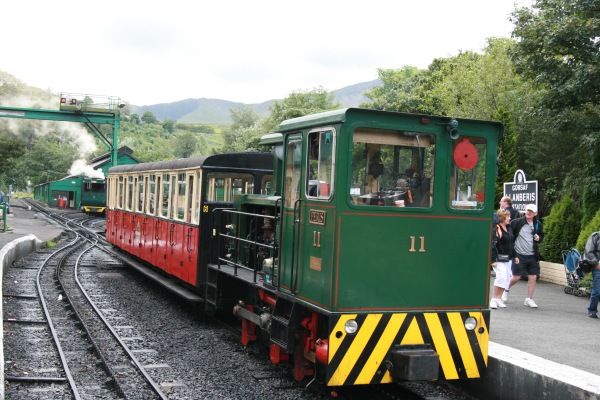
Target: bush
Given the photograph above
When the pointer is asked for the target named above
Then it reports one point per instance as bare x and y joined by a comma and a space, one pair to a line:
586, 232
561, 229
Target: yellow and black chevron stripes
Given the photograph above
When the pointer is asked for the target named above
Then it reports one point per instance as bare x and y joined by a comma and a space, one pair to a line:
356, 359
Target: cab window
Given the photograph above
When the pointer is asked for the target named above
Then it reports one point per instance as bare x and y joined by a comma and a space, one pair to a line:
319, 177
392, 168
467, 173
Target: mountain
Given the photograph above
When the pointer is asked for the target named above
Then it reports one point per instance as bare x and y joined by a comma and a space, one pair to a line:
216, 111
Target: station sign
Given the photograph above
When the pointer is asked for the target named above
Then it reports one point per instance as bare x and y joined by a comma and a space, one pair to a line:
521, 191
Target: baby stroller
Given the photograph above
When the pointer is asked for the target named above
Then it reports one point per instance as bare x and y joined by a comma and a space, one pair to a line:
571, 260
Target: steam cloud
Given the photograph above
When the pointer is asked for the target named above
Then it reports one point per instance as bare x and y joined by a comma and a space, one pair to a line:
80, 167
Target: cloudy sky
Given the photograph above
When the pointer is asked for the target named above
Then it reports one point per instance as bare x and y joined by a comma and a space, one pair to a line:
149, 52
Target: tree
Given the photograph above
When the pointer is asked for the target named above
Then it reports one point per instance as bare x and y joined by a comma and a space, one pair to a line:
243, 118
558, 48
561, 229
298, 104
169, 125
245, 126
185, 145
149, 118
397, 92
48, 160
11, 150
10, 86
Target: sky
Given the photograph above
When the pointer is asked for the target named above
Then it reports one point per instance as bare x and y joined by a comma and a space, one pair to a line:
152, 52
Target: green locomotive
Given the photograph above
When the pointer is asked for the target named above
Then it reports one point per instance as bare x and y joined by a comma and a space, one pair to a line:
367, 260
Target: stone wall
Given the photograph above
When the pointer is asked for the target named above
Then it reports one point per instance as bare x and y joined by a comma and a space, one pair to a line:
553, 272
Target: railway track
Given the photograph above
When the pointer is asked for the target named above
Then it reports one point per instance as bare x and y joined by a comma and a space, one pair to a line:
185, 353
82, 354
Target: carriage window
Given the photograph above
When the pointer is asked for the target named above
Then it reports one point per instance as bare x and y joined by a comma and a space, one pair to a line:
179, 212
121, 190
151, 194
222, 186
319, 177
164, 206
130, 190
112, 192
196, 191
140, 194
392, 168
190, 198
467, 173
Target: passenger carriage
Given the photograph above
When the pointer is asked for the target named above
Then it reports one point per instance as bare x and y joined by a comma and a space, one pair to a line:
160, 212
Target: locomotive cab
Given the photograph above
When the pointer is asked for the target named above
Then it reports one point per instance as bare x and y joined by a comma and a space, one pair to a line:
379, 265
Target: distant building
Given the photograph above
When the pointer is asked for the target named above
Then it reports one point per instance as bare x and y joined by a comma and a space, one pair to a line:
78, 190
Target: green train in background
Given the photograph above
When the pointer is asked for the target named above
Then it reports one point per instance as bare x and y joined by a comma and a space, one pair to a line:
75, 192
85, 190
380, 225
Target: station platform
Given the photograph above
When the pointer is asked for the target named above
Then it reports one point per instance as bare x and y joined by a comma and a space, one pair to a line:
22, 222
549, 352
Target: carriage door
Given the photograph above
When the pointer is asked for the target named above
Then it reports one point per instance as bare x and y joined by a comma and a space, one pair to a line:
291, 214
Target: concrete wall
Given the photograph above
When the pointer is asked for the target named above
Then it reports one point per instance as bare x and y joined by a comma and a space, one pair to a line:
10, 253
513, 374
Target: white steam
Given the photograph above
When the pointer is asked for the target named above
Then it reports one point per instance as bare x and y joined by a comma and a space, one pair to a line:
80, 167
72, 132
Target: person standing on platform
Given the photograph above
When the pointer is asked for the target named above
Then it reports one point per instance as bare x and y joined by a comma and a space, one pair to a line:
528, 232
506, 204
592, 256
502, 255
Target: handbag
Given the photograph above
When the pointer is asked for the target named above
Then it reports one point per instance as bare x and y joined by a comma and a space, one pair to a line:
503, 257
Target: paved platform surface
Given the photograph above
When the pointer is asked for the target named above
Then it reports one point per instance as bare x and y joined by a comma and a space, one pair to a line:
22, 222
558, 330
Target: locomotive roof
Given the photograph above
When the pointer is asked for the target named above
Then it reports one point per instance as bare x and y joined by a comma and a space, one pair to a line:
233, 160
341, 115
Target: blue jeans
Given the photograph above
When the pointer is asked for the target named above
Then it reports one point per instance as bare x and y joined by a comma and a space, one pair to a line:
593, 307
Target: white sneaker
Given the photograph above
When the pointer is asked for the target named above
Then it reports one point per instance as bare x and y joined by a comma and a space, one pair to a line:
500, 303
504, 296
530, 303
493, 304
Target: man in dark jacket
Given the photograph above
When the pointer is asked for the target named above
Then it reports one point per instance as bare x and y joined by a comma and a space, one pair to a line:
506, 204
592, 255
528, 233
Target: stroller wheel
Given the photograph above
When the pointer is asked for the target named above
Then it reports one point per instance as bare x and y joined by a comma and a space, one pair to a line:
568, 290
578, 293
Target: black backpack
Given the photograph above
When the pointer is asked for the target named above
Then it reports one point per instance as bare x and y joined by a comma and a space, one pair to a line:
587, 266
